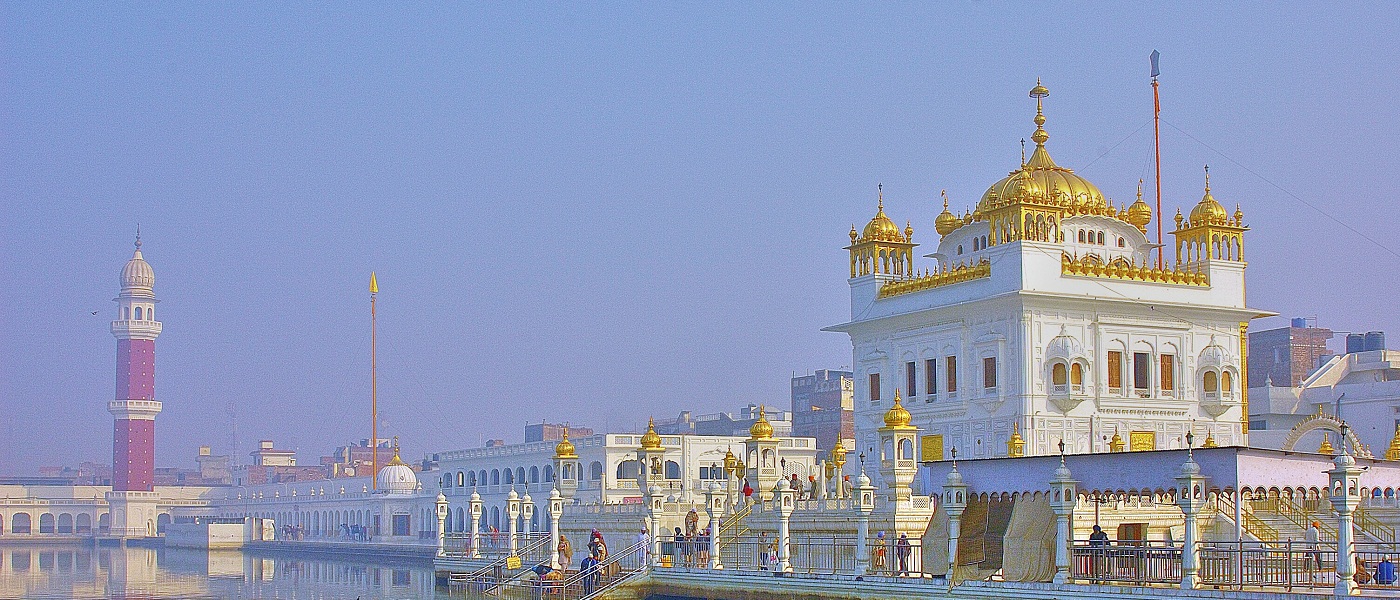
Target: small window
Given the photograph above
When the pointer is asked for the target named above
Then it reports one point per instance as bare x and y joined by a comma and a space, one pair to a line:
126, 313
1121, 243
1209, 383
151, 314
1226, 383
1081, 236
874, 387
911, 378
931, 376
989, 372
1115, 370
951, 373
138, 313
1100, 238
1168, 377
1076, 374
1057, 374
959, 249
1142, 371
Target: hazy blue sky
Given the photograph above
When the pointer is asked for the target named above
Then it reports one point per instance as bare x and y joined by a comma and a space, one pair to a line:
597, 212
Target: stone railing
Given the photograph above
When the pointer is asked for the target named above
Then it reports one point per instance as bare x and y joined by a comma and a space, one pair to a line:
1091, 267
929, 280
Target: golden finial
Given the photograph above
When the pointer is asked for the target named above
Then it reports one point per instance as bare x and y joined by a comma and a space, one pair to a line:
1116, 443
908, 229
854, 235
1326, 447
1207, 180
373, 283
1016, 445
1210, 440
1023, 152
396, 460
880, 194
1039, 92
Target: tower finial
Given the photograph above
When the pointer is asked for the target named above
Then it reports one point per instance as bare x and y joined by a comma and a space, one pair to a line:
373, 283
1207, 179
945, 198
880, 194
1039, 92
1023, 152
1139, 189
138, 236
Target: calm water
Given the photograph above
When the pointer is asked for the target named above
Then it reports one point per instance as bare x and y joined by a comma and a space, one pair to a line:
54, 571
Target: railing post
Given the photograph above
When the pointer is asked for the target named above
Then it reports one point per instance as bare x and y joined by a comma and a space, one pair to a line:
714, 506
441, 505
556, 510
865, 504
527, 512
1191, 495
783, 492
1345, 485
513, 512
1064, 495
475, 509
653, 499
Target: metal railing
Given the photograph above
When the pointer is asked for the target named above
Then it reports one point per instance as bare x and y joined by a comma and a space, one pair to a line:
459, 545
500, 571
1137, 565
1252, 524
1286, 565
1374, 527
824, 556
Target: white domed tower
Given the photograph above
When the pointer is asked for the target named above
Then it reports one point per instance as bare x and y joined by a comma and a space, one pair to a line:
396, 477
135, 408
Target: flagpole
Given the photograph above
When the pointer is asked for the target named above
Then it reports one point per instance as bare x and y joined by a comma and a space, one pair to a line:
373, 386
1157, 150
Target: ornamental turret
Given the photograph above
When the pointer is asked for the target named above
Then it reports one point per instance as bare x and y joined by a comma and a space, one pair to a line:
882, 249
1210, 233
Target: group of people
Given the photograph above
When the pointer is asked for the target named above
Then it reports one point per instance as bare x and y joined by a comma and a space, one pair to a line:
593, 567
903, 549
808, 491
692, 546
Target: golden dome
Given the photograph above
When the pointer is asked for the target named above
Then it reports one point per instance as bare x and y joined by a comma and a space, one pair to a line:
1139, 214
731, 462
1115, 444
565, 448
1208, 211
762, 429
1042, 181
881, 228
946, 222
651, 440
1210, 440
897, 416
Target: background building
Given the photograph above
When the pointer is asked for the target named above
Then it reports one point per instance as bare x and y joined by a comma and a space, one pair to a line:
553, 432
725, 424
1287, 355
823, 407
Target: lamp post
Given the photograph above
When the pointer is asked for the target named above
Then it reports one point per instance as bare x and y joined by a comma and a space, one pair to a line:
1344, 481
556, 510
527, 511
1191, 495
954, 503
865, 504
1063, 497
783, 495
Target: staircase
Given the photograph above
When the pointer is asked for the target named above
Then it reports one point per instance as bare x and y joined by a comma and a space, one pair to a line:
504, 569
562, 585
1292, 519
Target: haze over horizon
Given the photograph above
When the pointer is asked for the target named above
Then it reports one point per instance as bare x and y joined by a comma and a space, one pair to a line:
596, 214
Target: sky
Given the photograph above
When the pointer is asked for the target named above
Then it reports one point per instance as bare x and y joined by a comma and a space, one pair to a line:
597, 212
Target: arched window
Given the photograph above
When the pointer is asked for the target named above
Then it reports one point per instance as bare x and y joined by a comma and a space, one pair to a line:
461, 479
496, 476
534, 474
959, 249
1076, 374
19, 523
126, 313
46, 523
1225, 382
1100, 238
673, 470
1209, 382
138, 313
628, 469
595, 471
1081, 237
1121, 243
509, 477
65, 523
548, 473
520, 474
151, 313
1057, 374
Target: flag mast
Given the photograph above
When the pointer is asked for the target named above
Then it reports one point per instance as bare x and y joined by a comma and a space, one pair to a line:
1157, 150
373, 387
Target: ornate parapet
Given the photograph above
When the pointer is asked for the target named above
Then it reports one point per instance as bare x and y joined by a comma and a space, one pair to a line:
928, 280
1090, 266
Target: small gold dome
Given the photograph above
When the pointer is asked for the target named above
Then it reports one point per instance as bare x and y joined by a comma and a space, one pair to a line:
1139, 214
881, 228
731, 462
1208, 211
897, 416
1016, 445
1115, 444
396, 460
565, 448
946, 222
838, 453
761, 429
651, 440
1210, 440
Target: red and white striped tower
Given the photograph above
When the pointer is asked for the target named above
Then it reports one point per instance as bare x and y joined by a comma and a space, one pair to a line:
133, 499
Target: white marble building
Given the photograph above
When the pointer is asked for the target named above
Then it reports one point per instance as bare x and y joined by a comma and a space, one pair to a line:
1043, 316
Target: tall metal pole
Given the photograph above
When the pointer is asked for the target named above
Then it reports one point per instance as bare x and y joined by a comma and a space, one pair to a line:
1157, 145
373, 387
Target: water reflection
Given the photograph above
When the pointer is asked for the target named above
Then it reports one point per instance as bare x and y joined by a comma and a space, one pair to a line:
57, 571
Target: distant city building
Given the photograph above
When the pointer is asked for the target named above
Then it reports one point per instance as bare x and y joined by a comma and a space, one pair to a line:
214, 469
823, 407
724, 424
1284, 357
1364, 385
348, 461
553, 432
